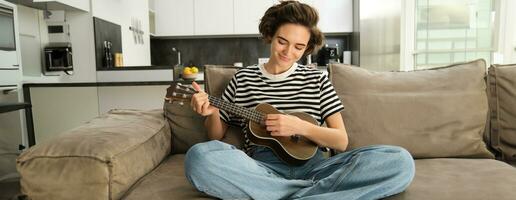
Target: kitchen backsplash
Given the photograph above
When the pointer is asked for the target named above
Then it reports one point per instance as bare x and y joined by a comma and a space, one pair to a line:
225, 51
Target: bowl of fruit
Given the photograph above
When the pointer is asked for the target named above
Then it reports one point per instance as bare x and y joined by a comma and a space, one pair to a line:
190, 73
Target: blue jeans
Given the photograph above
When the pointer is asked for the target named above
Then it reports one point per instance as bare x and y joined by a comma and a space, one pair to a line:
221, 170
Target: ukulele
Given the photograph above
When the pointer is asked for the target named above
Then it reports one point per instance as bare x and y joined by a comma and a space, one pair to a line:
294, 150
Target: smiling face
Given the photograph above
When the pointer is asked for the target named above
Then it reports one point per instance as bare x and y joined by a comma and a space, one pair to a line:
288, 45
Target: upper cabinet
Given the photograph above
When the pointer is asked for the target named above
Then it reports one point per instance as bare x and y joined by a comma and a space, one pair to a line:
69, 5
213, 17
335, 16
238, 17
248, 13
174, 17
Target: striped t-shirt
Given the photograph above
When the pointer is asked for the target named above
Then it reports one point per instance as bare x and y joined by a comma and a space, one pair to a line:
299, 89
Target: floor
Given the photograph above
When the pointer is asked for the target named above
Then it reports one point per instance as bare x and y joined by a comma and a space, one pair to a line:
9, 189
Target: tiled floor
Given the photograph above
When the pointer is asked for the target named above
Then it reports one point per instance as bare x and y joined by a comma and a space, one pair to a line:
9, 189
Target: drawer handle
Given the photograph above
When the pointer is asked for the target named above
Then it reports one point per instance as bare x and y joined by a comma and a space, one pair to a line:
8, 90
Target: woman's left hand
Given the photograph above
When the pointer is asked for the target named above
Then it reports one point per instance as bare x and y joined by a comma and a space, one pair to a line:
285, 125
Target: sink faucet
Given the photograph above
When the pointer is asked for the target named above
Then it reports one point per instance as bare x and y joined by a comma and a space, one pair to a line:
178, 56
177, 68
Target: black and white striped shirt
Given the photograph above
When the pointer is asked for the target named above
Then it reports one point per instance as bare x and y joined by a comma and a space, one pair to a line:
299, 89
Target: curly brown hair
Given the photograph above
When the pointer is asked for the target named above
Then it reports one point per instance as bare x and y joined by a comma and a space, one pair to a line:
296, 13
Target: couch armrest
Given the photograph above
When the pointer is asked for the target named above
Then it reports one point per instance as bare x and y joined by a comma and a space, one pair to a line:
98, 160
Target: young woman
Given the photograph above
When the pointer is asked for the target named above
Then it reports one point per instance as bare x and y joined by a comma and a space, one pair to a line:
223, 171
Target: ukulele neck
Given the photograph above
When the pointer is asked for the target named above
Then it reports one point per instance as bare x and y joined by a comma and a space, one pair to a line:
246, 113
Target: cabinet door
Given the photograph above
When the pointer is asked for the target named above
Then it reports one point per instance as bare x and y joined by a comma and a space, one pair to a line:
10, 132
174, 17
309, 2
213, 17
336, 16
247, 15
131, 97
58, 109
66, 4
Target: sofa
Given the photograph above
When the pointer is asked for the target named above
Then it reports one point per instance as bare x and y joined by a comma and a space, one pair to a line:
457, 121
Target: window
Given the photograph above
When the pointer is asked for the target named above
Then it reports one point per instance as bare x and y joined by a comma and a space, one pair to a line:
453, 31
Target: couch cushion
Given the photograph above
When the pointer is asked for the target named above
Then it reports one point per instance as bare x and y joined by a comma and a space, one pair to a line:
446, 179
98, 160
168, 181
432, 113
461, 179
502, 103
188, 126
217, 77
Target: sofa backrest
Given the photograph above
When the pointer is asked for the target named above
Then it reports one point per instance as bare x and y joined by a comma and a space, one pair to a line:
433, 113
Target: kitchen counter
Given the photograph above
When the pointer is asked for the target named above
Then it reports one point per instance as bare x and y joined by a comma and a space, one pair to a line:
152, 67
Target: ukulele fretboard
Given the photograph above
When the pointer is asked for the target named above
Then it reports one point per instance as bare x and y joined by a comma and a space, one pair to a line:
246, 113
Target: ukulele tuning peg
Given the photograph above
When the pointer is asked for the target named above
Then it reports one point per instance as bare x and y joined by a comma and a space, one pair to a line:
174, 94
184, 95
181, 103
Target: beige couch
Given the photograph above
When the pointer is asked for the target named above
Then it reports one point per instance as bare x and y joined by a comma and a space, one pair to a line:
448, 118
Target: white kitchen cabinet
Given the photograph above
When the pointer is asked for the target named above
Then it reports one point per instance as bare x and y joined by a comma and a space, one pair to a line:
213, 17
236, 17
335, 16
309, 2
11, 133
83, 5
145, 97
59, 109
30, 40
247, 15
174, 17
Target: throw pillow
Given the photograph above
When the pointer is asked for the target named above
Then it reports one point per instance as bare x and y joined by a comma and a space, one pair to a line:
433, 113
187, 126
502, 103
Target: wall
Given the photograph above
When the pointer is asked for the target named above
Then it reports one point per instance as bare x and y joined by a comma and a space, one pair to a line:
121, 13
507, 33
34, 37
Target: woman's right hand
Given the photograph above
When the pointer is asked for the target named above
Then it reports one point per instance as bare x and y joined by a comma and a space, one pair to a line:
200, 102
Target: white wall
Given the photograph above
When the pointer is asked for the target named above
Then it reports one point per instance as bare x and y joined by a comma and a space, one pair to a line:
121, 13
34, 37
507, 33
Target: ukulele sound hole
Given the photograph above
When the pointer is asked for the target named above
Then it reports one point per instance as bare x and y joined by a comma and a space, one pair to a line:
295, 138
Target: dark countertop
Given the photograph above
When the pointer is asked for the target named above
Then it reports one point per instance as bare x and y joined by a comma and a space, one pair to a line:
151, 67
108, 84
13, 106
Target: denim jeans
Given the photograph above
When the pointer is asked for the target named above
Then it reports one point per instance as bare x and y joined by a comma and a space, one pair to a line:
223, 171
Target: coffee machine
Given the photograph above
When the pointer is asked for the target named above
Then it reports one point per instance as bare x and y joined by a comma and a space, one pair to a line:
329, 53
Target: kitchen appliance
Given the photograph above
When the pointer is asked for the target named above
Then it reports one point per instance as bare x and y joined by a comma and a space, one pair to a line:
328, 54
8, 54
58, 57
58, 28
